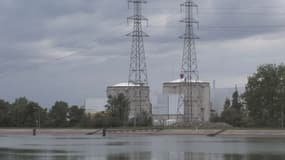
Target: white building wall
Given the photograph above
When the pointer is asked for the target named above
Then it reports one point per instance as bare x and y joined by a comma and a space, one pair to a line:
201, 98
130, 91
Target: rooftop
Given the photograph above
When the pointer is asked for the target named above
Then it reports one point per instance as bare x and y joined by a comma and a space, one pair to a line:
183, 80
125, 85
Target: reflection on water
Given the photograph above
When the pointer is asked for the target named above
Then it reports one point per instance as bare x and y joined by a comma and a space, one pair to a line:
140, 148
130, 156
15, 155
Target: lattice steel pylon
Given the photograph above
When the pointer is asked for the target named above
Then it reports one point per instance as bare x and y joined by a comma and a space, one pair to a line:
138, 67
189, 67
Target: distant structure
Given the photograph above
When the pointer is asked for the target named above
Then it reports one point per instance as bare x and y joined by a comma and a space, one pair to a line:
137, 89
137, 104
201, 106
94, 105
193, 95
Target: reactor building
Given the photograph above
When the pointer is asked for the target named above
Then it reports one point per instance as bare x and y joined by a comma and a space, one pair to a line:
194, 104
200, 109
136, 89
138, 104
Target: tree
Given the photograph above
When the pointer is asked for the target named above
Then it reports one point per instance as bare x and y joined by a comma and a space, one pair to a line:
233, 113
18, 111
32, 113
59, 114
214, 117
25, 113
76, 115
236, 101
118, 107
227, 104
5, 111
264, 96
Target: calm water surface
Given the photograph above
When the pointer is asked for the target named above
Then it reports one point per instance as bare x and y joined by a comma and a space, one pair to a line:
140, 148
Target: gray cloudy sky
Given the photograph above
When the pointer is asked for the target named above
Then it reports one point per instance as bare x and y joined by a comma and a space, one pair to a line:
72, 49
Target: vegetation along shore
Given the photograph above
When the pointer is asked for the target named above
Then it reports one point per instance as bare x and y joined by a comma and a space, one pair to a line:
262, 105
243, 133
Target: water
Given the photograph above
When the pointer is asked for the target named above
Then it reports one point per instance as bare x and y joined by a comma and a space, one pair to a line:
140, 148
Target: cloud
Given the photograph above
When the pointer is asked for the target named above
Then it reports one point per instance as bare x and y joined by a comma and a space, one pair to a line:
71, 49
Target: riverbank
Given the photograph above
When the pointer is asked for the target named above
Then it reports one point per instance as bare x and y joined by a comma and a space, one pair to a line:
226, 133
202, 132
7, 132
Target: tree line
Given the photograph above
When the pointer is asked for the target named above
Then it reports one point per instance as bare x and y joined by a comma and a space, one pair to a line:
261, 105
263, 102
23, 113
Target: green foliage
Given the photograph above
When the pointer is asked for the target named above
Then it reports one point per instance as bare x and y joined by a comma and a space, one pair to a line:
232, 117
264, 100
22, 113
31, 115
76, 116
233, 113
118, 108
5, 111
19, 111
25, 113
265, 95
227, 104
59, 114
214, 117
236, 104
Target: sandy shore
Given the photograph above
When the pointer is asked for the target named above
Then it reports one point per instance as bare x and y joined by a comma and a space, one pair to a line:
202, 132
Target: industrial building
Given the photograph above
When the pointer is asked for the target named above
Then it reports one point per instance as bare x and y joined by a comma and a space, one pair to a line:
130, 90
193, 102
200, 110
136, 89
193, 95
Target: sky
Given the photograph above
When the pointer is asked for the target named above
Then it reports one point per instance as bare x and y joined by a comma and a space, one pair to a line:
71, 50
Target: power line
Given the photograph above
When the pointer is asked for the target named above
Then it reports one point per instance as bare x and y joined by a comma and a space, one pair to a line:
230, 10
223, 8
244, 26
207, 27
243, 13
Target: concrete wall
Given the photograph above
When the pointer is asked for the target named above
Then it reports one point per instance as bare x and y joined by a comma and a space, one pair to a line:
164, 117
130, 92
201, 106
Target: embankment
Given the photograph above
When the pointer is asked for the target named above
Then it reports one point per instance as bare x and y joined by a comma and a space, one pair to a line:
156, 132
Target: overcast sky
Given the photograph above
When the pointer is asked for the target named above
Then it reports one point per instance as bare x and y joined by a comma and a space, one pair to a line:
73, 49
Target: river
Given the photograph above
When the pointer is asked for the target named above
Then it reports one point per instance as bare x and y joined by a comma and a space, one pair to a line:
140, 148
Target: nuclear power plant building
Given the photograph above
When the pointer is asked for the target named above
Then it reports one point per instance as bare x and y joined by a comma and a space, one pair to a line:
201, 99
138, 104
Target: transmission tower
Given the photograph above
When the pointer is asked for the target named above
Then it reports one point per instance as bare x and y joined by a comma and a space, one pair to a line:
189, 68
138, 67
